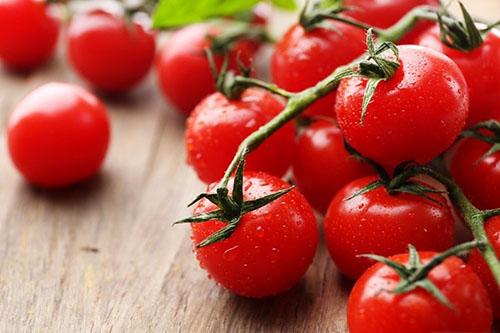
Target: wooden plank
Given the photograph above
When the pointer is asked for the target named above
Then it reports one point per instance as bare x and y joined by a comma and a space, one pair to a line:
102, 256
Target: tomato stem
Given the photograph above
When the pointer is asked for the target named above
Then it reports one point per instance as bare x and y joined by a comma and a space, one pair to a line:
261, 84
474, 217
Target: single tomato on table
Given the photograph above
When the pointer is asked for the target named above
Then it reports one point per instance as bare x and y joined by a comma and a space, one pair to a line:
58, 135
112, 54
271, 247
28, 33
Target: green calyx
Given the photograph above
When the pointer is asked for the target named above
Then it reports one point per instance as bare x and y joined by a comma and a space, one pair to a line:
461, 35
231, 208
486, 131
415, 274
407, 186
381, 64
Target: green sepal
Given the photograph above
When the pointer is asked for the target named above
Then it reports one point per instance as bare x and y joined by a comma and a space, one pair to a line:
220, 235
205, 217
252, 205
370, 187
427, 285
232, 207
492, 127
461, 35
400, 269
420, 190
378, 67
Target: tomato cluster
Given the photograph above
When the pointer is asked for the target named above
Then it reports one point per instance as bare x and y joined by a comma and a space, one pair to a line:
349, 154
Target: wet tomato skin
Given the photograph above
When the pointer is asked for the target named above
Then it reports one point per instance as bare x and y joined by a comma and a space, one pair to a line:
271, 248
183, 69
477, 263
303, 58
478, 177
58, 135
481, 68
414, 116
218, 125
379, 223
110, 53
319, 182
28, 34
383, 14
372, 310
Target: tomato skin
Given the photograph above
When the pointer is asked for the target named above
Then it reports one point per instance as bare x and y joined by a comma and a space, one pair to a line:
380, 223
79, 135
271, 248
28, 34
477, 263
383, 14
183, 69
375, 311
478, 177
481, 68
303, 58
413, 116
319, 182
218, 125
110, 53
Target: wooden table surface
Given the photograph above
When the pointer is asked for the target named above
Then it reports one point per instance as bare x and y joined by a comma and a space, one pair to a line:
103, 256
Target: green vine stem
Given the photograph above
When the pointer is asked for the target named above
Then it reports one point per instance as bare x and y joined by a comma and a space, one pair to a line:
298, 102
474, 217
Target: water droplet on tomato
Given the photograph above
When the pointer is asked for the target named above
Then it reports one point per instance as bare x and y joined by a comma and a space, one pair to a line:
231, 254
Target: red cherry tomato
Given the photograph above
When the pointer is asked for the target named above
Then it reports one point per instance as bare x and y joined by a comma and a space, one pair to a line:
271, 248
481, 68
183, 68
477, 263
383, 14
218, 125
303, 58
110, 53
28, 33
414, 116
380, 223
372, 309
478, 177
319, 182
58, 135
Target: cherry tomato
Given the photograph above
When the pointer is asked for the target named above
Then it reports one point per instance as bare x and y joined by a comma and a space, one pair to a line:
373, 309
58, 135
319, 182
385, 13
303, 58
218, 125
28, 33
481, 68
183, 68
110, 53
477, 263
478, 177
380, 223
413, 116
271, 248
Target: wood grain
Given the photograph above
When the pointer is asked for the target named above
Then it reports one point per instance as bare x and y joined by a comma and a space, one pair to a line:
102, 255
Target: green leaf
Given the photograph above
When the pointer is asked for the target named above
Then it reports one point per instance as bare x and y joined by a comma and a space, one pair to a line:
173, 13
285, 4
